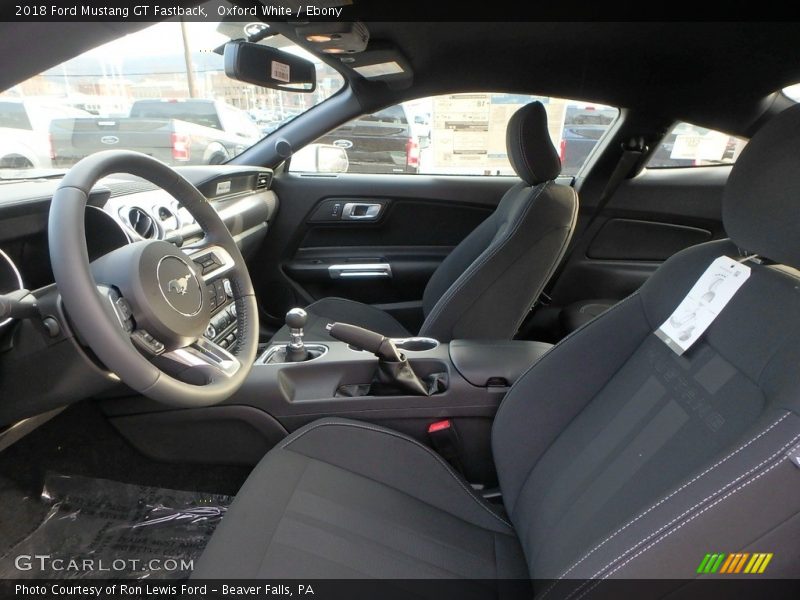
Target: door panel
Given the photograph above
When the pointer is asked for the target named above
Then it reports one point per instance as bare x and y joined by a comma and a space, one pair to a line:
633, 239
649, 218
420, 220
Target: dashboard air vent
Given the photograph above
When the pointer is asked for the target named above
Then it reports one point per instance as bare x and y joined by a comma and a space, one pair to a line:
169, 220
142, 223
263, 180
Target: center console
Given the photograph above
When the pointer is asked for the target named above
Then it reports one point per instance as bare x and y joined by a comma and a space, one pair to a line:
410, 385
338, 378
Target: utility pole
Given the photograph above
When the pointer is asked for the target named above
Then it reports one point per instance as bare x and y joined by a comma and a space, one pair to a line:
187, 57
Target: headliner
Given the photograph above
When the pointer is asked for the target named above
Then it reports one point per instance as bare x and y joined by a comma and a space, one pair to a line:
715, 74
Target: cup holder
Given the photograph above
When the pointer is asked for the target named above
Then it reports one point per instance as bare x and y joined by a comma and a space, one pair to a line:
416, 344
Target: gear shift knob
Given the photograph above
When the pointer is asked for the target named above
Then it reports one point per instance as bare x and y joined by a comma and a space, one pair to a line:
296, 318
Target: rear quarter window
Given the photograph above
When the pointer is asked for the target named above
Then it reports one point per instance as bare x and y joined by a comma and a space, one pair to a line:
688, 145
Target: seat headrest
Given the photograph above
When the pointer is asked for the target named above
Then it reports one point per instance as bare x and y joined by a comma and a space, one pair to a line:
761, 202
530, 149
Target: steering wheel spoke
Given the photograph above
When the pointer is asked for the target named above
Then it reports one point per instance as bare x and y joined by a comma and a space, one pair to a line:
204, 357
146, 342
119, 307
212, 260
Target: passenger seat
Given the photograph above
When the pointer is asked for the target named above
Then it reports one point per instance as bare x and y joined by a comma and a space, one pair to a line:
489, 282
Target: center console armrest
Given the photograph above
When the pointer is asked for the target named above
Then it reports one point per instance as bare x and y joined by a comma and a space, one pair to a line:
487, 362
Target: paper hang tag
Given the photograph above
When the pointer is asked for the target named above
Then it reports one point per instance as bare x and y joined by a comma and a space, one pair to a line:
703, 304
281, 72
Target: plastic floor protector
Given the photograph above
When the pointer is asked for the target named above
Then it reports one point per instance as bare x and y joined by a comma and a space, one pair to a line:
96, 528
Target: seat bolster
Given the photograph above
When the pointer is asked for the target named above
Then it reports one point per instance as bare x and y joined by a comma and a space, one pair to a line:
328, 310
395, 460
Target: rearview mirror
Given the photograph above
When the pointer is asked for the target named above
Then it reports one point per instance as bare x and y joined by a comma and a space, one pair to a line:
269, 67
320, 158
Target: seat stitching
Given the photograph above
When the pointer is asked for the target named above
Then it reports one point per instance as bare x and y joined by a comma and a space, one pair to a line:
484, 256
480, 261
662, 501
557, 260
482, 296
533, 195
394, 488
692, 518
440, 460
570, 336
523, 149
686, 512
553, 264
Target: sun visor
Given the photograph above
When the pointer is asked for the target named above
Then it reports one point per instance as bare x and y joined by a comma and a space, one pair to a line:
381, 62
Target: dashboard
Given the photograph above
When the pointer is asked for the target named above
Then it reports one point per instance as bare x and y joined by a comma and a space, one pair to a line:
121, 209
124, 209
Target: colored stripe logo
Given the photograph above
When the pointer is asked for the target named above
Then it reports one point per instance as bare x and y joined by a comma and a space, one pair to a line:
738, 562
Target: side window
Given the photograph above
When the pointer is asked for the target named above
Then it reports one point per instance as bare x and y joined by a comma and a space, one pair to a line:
456, 134
688, 145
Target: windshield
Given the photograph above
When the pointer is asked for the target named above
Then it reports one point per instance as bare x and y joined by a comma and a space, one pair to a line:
161, 91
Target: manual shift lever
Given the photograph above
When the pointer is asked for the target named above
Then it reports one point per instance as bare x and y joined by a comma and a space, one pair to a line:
295, 320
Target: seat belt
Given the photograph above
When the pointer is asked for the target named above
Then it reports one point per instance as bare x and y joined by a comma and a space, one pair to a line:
632, 152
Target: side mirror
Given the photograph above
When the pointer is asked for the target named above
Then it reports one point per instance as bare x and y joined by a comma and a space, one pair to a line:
269, 67
320, 158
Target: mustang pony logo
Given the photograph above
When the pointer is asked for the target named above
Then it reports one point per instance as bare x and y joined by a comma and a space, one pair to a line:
180, 285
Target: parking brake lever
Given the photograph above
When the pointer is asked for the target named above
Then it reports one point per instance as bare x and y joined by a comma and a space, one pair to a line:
394, 369
364, 339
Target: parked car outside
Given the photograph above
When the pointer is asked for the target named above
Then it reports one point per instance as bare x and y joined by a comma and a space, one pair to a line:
192, 131
380, 142
24, 131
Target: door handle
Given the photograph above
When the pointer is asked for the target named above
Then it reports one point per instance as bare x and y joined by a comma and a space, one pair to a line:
361, 211
360, 271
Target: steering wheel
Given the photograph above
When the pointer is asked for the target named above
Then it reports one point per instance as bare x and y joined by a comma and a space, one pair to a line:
143, 308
